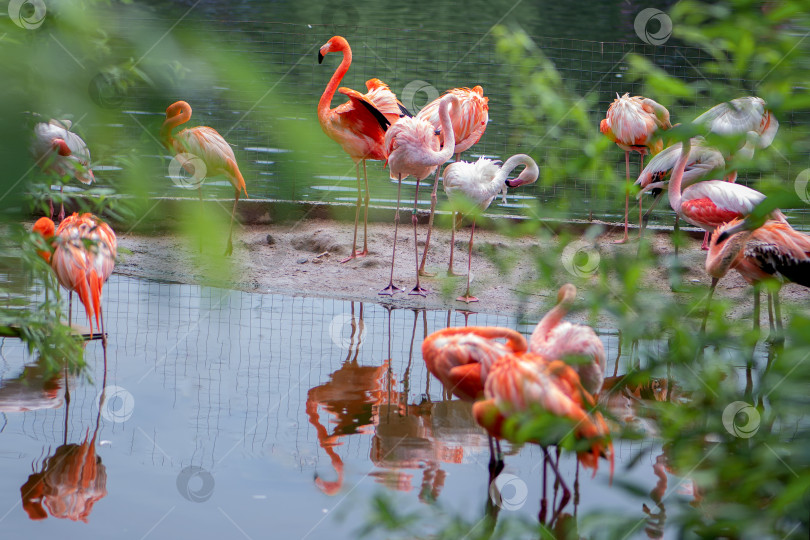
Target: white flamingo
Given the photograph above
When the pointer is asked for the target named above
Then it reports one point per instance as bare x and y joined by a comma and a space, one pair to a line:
58, 150
480, 182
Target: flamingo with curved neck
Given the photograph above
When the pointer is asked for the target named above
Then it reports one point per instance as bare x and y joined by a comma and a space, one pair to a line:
414, 149
711, 203
358, 125
557, 339
481, 182
206, 145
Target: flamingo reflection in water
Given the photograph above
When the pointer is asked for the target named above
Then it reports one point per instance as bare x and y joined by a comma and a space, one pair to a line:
348, 396
71, 479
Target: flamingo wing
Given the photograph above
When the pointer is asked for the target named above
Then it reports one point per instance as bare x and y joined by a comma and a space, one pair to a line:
381, 96
360, 100
742, 115
781, 251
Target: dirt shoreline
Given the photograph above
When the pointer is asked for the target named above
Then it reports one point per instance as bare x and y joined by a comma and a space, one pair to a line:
303, 259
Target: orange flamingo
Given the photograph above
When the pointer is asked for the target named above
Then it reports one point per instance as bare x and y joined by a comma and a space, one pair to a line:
412, 148
774, 250
480, 182
633, 124
523, 387
357, 125
83, 257
561, 340
461, 358
59, 151
208, 146
469, 123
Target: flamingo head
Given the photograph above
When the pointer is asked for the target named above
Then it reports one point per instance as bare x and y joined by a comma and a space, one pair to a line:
337, 43
46, 228
567, 294
178, 108
528, 175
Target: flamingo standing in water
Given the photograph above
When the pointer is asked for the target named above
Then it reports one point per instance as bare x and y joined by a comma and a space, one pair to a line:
209, 146
711, 203
526, 386
58, 150
461, 358
469, 123
562, 340
413, 148
774, 250
83, 258
480, 182
633, 124
358, 125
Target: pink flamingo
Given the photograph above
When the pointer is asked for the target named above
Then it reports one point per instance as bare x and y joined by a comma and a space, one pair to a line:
633, 124
206, 144
58, 150
412, 147
469, 123
357, 125
773, 251
745, 115
480, 182
710, 203
562, 340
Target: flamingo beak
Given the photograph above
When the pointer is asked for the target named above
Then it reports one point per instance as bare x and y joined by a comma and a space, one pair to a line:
320, 57
510, 183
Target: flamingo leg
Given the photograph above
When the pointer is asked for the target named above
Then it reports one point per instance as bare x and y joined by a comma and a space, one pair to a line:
640, 215
356, 214
626, 197
50, 207
566, 496
495, 458
756, 309
675, 230
450, 271
777, 312
67, 387
769, 300
708, 303
467, 297
365, 214
417, 288
391, 288
544, 498
202, 211
229, 247
433, 199
61, 203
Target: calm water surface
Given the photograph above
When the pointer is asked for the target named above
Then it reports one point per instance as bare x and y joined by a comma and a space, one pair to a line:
231, 414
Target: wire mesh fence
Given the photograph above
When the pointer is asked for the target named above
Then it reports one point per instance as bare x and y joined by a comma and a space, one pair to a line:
440, 60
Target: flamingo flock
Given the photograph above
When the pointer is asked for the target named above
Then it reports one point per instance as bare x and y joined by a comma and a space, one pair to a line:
554, 379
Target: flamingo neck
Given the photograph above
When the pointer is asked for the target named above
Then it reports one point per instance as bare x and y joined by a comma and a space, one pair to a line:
674, 189
529, 174
329, 92
550, 320
447, 128
172, 122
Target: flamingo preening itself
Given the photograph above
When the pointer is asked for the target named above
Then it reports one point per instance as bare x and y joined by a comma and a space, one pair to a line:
524, 390
480, 183
634, 123
461, 359
206, 145
59, 151
742, 116
357, 125
83, 258
576, 343
413, 147
773, 251
469, 123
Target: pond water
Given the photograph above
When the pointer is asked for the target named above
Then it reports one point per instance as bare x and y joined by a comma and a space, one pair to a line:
435, 46
229, 414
